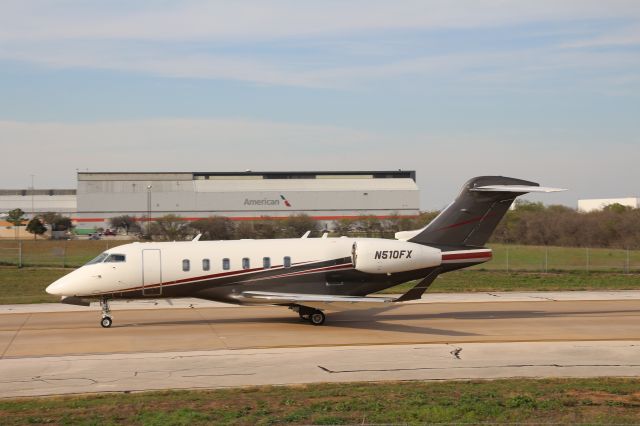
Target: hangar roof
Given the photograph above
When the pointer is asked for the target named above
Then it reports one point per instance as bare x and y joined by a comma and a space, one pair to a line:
249, 175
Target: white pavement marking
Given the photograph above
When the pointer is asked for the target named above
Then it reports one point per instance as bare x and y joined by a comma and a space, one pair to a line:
182, 303
283, 366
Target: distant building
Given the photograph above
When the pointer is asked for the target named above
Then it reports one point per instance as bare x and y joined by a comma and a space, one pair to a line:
36, 201
325, 196
600, 203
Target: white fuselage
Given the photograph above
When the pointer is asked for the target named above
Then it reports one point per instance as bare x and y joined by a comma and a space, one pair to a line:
157, 269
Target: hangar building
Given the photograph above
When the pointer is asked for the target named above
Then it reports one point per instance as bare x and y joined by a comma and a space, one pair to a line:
32, 201
325, 196
595, 204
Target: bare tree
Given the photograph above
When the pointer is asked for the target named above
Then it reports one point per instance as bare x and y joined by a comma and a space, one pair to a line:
264, 229
244, 230
126, 223
343, 227
215, 228
370, 225
170, 228
296, 225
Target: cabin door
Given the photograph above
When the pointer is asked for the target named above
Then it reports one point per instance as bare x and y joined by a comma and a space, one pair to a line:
151, 272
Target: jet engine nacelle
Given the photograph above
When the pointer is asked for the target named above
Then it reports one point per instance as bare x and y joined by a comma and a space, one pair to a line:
390, 256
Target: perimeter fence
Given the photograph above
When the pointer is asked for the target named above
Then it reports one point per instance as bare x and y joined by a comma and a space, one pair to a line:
74, 253
53, 253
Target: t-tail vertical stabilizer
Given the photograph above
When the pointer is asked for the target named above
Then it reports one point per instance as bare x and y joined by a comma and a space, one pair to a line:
473, 216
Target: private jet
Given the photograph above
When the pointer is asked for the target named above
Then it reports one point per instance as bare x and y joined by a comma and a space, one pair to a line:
307, 275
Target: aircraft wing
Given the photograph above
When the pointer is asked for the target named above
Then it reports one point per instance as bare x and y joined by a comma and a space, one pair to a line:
317, 301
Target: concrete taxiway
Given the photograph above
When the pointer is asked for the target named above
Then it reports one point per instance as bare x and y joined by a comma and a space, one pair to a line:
44, 353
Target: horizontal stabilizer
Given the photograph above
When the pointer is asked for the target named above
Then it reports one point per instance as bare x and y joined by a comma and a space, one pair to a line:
515, 188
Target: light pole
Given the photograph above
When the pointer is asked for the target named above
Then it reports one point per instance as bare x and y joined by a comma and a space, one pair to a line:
33, 211
149, 210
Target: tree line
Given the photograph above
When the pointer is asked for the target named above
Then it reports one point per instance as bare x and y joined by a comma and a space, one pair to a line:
528, 223
38, 224
172, 227
616, 226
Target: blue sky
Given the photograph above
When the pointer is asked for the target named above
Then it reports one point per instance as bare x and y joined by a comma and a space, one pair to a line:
543, 90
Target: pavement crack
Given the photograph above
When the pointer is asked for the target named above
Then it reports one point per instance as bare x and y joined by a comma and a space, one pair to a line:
477, 367
213, 330
48, 380
221, 375
543, 298
15, 335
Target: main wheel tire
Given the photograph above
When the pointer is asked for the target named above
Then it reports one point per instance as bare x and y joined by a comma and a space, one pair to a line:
106, 322
317, 318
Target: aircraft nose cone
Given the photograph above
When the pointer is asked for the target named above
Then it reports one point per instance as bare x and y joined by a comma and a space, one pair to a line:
56, 288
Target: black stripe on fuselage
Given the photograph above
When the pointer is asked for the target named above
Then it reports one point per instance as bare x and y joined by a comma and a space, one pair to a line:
332, 277
238, 276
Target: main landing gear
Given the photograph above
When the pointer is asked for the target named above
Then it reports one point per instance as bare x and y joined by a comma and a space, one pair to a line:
314, 316
106, 320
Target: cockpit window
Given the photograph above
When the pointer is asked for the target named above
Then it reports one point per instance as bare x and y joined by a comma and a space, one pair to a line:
101, 257
116, 258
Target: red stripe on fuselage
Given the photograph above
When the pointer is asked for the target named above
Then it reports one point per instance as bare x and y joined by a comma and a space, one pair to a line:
476, 255
224, 274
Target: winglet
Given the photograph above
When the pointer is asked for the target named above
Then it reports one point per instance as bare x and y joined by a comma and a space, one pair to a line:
306, 234
197, 238
515, 188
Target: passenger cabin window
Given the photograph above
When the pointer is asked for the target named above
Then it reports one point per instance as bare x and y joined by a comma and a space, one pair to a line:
206, 265
226, 264
266, 262
287, 262
115, 258
186, 265
245, 263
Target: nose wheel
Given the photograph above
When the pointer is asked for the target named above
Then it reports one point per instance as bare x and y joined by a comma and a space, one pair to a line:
106, 320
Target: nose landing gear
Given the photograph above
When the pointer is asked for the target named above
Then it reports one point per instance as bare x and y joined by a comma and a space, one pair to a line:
106, 320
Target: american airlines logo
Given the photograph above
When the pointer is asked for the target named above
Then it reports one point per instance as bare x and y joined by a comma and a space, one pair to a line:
393, 254
286, 202
266, 201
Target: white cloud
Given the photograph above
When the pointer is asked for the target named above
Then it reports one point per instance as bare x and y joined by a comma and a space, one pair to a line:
259, 19
231, 40
629, 36
501, 68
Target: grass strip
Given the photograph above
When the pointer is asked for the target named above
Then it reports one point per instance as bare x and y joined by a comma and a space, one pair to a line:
564, 401
27, 285
489, 281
